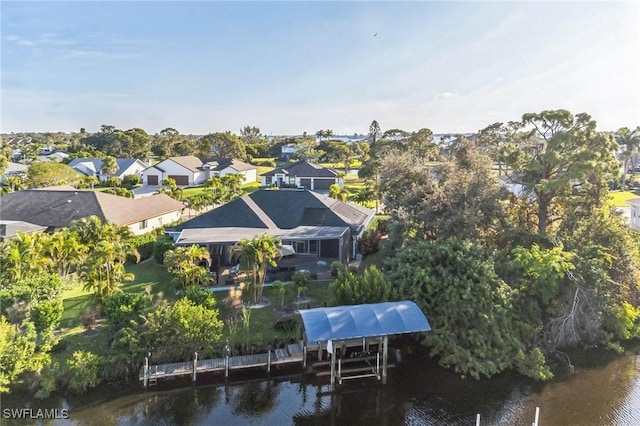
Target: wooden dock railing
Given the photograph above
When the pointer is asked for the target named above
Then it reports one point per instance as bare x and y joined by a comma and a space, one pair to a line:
149, 374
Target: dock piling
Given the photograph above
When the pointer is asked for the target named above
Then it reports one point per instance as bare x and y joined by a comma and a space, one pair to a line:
195, 365
146, 371
269, 362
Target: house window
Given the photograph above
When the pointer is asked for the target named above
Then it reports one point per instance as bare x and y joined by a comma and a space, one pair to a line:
3, 230
313, 246
143, 224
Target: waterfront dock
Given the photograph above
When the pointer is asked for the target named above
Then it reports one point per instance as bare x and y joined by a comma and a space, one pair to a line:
149, 374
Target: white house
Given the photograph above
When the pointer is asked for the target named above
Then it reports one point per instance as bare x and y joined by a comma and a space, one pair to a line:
287, 151
191, 171
92, 166
634, 214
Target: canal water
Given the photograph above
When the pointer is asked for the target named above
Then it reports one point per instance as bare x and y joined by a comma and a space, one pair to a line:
603, 390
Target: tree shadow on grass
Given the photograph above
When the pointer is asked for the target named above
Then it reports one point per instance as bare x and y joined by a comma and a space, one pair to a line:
73, 308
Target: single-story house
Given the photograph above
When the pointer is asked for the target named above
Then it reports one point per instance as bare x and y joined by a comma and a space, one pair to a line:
92, 167
189, 170
56, 207
634, 214
57, 156
10, 228
314, 224
302, 174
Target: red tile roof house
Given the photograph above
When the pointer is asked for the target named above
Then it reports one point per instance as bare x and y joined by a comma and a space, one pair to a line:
56, 207
189, 170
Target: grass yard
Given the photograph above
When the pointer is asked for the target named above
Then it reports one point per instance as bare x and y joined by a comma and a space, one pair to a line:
149, 273
619, 198
262, 320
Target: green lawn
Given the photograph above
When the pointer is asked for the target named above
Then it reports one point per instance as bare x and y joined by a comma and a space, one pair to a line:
262, 320
149, 273
620, 197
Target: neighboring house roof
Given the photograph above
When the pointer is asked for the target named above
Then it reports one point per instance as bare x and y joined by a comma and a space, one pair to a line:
196, 164
233, 234
223, 163
284, 209
57, 208
304, 169
634, 202
93, 165
53, 156
190, 162
9, 228
15, 169
507, 179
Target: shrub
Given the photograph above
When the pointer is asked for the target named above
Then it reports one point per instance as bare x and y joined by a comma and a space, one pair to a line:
382, 224
46, 314
163, 244
144, 244
370, 287
112, 182
130, 180
83, 369
122, 308
370, 242
200, 296
264, 163
122, 192
288, 324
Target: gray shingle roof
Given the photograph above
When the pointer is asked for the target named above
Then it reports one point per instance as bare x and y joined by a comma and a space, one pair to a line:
304, 169
196, 164
95, 164
287, 209
57, 208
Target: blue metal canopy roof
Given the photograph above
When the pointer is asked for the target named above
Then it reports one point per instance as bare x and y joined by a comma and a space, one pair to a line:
349, 322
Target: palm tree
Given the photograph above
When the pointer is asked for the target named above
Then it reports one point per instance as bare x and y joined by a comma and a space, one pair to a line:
14, 182
374, 132
183, 263
214, 184
255, 255
104, 269
24, 257
109, 166
281, 289
232, 183
66, 251
631, 142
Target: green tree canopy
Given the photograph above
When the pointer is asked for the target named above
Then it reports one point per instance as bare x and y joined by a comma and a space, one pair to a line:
222, 144
50, 173
559, 150
177, 331
475, 329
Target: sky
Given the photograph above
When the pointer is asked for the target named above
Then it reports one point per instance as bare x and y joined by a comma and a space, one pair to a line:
302, 66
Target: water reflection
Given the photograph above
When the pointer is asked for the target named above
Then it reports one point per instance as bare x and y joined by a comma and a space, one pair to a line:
418, 393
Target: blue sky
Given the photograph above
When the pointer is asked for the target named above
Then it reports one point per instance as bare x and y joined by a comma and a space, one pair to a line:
290, 67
